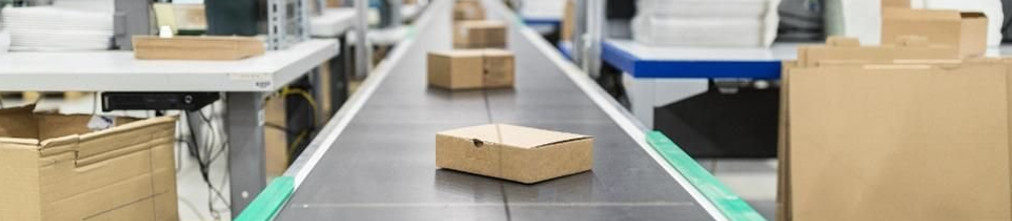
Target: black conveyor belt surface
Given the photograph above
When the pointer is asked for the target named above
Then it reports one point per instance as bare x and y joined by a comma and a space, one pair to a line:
382, 166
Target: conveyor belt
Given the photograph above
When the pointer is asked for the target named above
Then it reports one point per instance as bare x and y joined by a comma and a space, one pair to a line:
381, 165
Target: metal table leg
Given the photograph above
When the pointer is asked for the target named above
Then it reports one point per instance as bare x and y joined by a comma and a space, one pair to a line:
246, 157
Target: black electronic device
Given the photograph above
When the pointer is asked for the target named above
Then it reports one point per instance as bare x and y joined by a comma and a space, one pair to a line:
188, 101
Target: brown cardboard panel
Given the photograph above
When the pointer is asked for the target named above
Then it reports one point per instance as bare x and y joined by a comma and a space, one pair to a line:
568, 17
468, 10
967, 31
471, 68
197, 48
842, 50
275, 137
459, 69
783, 185
898, 142
82, 174
18, 122
499, 68
479, 34
895, 3
521, 154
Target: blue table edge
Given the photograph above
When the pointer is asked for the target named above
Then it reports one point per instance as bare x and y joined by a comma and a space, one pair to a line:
646, 68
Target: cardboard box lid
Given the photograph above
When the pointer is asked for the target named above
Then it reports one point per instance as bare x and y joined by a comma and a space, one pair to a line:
482, 24
460, 53
496, 53
514, 136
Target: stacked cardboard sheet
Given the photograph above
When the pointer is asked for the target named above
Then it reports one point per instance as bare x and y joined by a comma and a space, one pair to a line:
906, 131
721, 23
55, 28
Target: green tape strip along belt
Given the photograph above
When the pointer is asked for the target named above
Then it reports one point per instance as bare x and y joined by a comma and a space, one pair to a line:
732, 206
269, 202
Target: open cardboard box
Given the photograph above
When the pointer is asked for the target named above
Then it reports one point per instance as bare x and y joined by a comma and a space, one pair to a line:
54, 167
520, 154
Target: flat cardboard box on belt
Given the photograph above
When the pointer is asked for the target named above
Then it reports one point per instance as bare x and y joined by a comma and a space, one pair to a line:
908, 138
965, 30
471, 69
54, 167
520, 154
479, 34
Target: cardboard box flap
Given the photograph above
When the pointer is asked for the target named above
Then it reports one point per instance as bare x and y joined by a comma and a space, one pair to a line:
483, 24
483, 133
514, 136
496, 53
18, 122
529, 138
922, 15
459, 53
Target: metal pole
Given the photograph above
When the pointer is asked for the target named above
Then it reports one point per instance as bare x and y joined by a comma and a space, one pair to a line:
595, 30
395, 13
579, 29
361, 48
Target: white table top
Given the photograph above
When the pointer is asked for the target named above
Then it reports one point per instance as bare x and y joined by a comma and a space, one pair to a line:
777, 52
389, 36
120, 71
333, 22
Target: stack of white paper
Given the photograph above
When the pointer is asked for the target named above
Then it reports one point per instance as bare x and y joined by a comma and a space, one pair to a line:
53, 28
715, 23
543, 8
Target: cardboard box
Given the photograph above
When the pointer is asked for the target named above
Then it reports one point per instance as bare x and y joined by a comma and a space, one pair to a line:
899, 142
894, 136
54, 167
479, 34
965, 30
197, 48
471, 69
275, 136
520, 154
468, 10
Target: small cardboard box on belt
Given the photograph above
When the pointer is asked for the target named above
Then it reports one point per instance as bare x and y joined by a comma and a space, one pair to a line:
521, 154
54, 167
479, 34
471, 69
